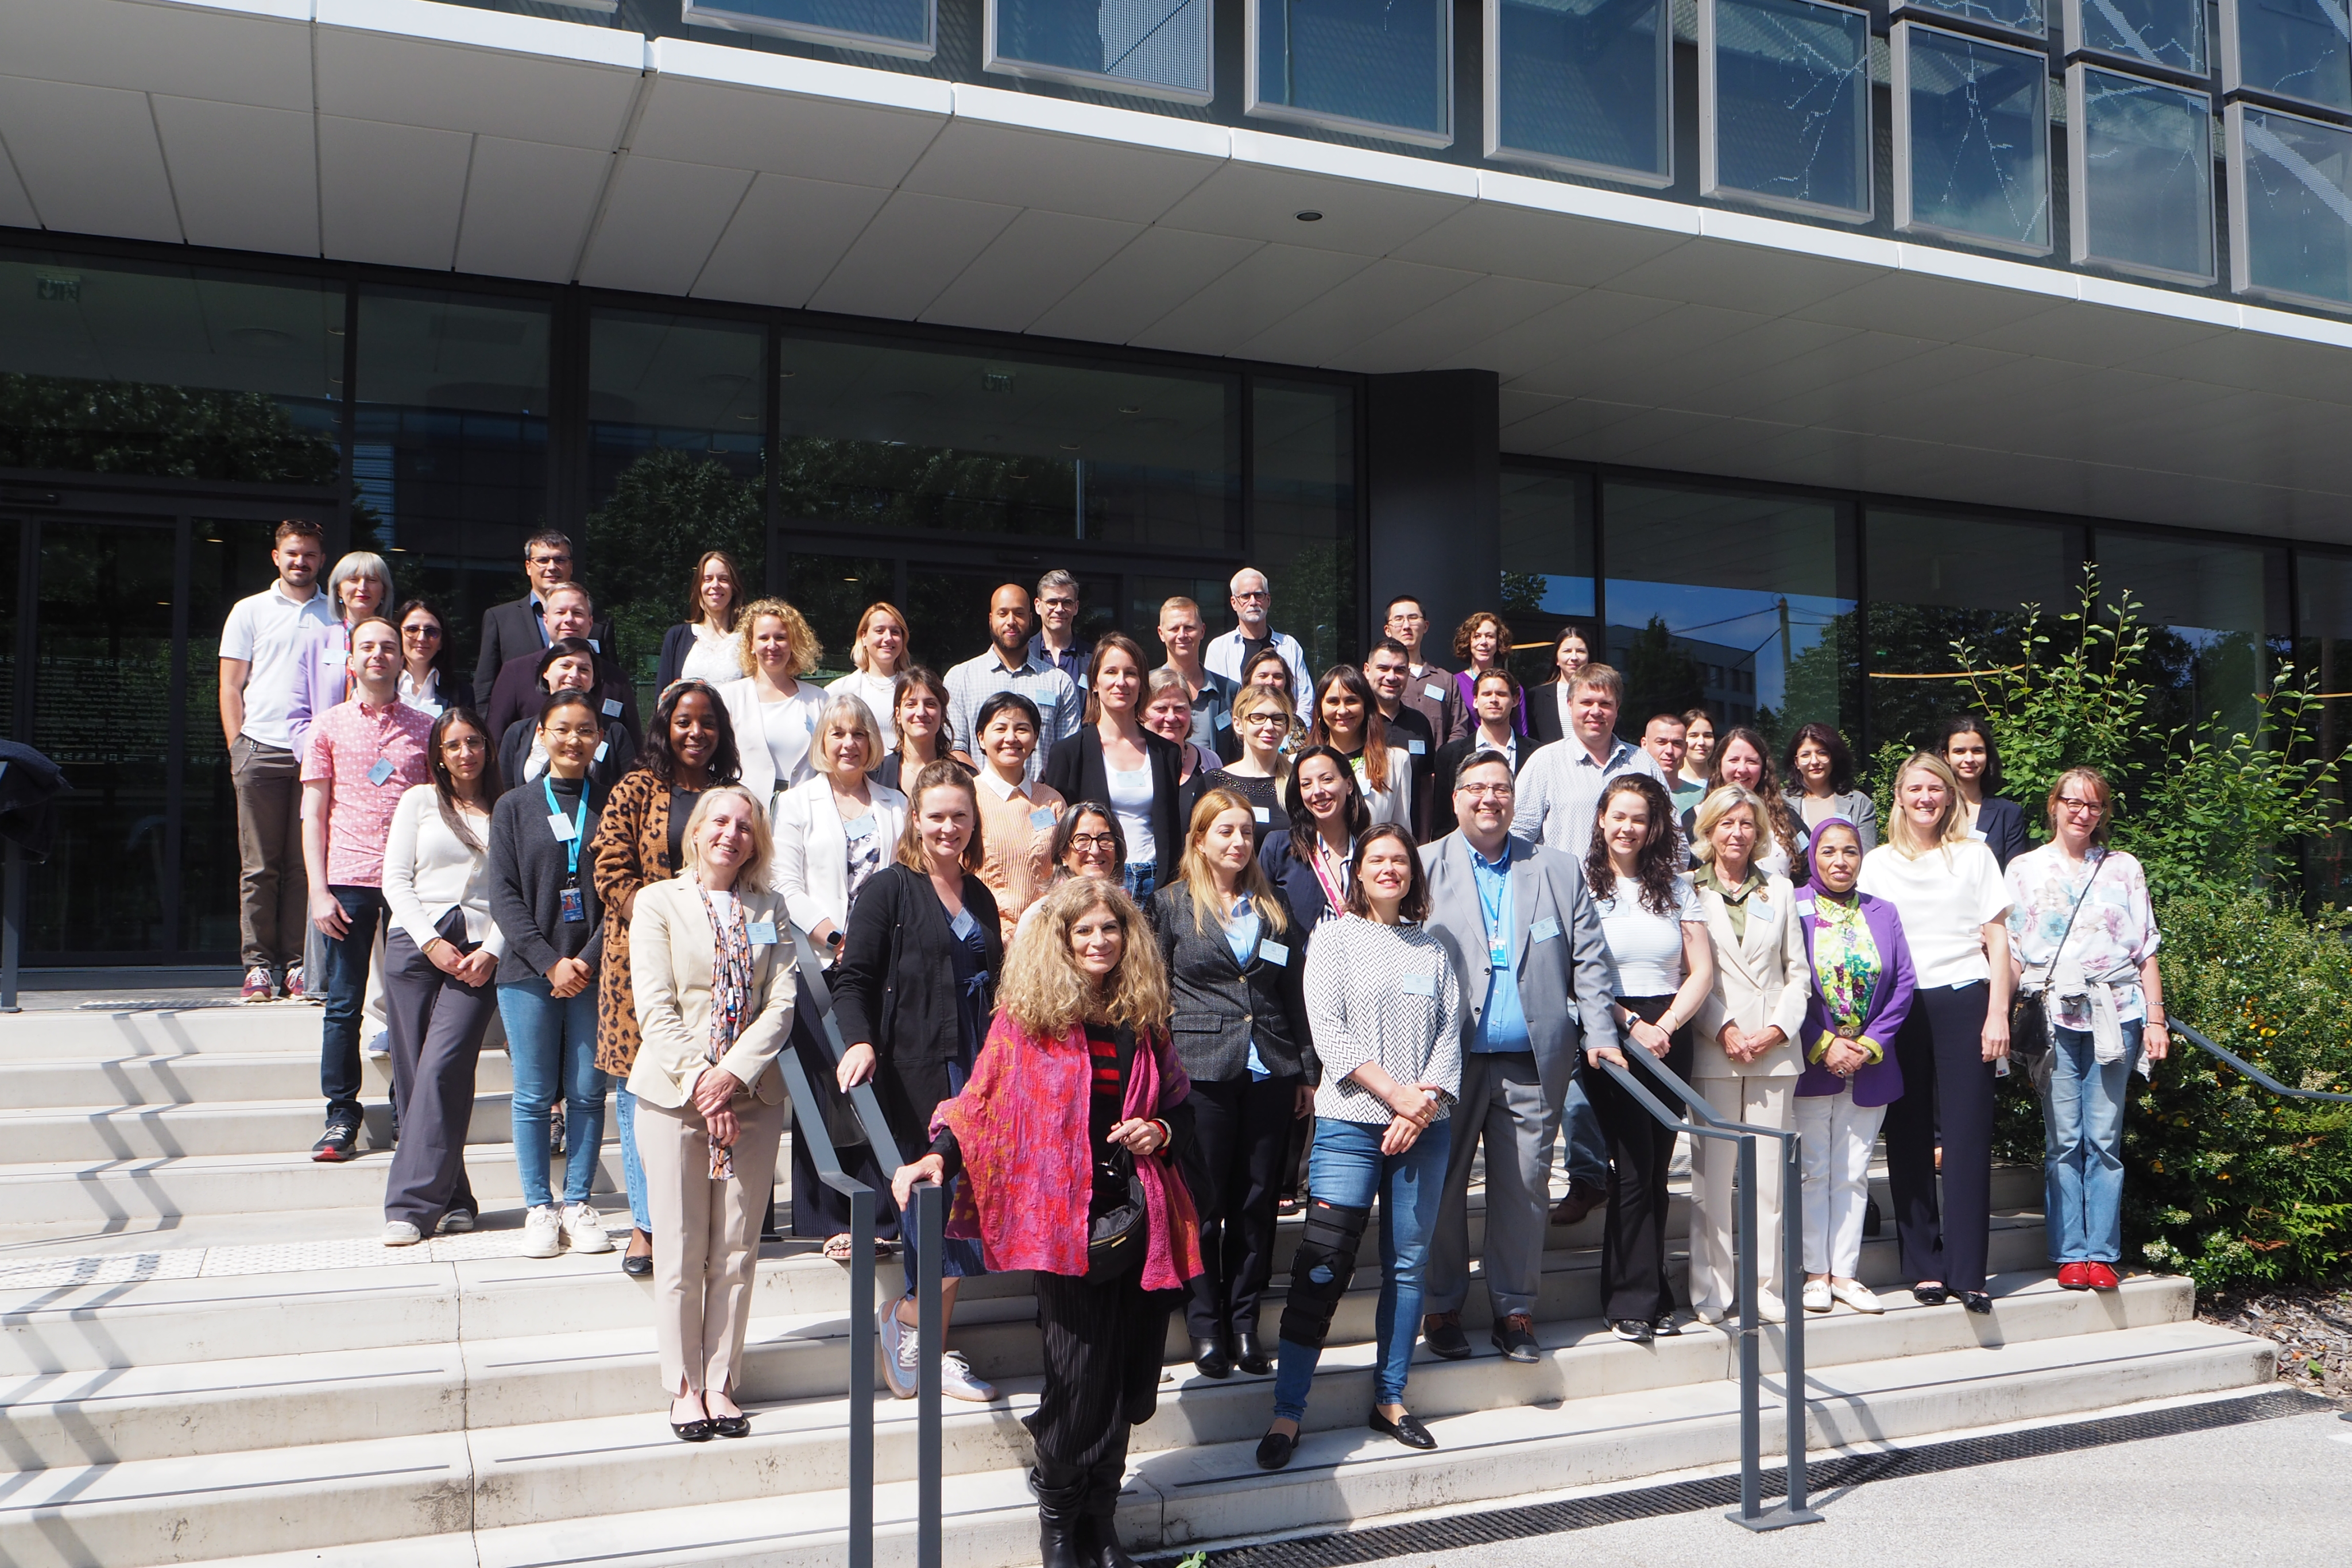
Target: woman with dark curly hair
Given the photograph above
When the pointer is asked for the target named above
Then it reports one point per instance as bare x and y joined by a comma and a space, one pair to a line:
1819, 769
1483, 643
1657, 931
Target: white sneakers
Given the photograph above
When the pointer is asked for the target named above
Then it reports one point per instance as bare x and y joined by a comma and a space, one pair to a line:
543, 1232
400, 1233
958, 1381
902, 1363
584, 1229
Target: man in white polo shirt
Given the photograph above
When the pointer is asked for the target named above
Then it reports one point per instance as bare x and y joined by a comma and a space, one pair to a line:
259, 647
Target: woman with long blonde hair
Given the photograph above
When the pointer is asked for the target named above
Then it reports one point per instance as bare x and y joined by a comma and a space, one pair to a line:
1065, 1142
877, 652
1948, 890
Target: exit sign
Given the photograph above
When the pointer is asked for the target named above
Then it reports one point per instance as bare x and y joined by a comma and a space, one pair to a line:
63, 287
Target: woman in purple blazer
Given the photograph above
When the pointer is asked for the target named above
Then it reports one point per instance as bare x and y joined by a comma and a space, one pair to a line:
1862, 982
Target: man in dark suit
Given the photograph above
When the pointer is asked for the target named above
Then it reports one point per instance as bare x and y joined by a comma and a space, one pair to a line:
1388, 668
511, 631
1429, 689
1540, 989
516, 694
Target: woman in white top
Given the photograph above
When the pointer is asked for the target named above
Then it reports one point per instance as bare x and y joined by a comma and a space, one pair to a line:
1115, 760
1747, 1062
919, 713
1699, 753
1657, 931
440, 954
705, 646
1348, 718
773, 710
1948, 890
833, 832
879, 655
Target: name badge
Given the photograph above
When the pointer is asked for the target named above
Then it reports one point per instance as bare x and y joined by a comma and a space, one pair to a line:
576, 904
1273, 952
1977, 834
1224, 719
1498, 956
860, 826
1261, 814
1544, 930
603, 748
1434, 692
763, 933
1041, 819
1418, 747
1417, 984
1763, 903
330, 655
564, 829
381, 771
612, 707
1804, 904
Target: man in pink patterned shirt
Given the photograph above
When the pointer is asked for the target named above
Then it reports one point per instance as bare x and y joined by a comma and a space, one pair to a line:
363, 754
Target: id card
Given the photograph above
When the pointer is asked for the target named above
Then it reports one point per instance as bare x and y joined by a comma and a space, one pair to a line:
1544, 930
612, 707
603, 749
1977, 834
1261, 814
858, 827
564, 829
381, 771
576, 904
1273, 952
1415, 984
1041, 819
1418, 747
1224, 719
763, 933
1434, 692
1804, 904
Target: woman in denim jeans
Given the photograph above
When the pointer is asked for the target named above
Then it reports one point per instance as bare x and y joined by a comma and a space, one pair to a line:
2083, 940
1384, 1006
544, 901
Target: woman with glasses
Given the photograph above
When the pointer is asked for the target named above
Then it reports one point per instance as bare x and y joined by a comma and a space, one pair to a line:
429, 681
1263, 718
1087, 843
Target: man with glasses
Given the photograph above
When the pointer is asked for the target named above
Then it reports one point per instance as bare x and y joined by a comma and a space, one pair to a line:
1429, 689
1541, 987
1231, 653
520, 629
1057, 643
1388, 670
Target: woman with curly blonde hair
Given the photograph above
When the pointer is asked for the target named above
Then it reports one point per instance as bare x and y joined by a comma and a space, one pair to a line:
1065, 1140
775, 712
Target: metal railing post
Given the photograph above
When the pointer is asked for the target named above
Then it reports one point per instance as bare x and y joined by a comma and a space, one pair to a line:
1752, 1367
12, 929
861, 1377
1793, 1355
930, 1210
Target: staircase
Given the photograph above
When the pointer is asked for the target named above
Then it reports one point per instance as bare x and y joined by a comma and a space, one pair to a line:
205, 1355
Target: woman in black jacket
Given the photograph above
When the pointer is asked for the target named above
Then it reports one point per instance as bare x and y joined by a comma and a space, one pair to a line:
568, 666
916, 981
1967, 749
1233, 958
1113, 758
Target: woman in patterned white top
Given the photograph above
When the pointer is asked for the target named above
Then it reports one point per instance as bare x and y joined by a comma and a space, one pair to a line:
1384, 1007
2083, 939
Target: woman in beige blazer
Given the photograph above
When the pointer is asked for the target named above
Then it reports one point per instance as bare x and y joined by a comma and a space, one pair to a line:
714, 999
1746, 1065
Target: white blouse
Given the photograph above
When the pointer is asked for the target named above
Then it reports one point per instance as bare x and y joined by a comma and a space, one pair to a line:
1946, 898
428, 871
715, 656
1391, 801
1648, 949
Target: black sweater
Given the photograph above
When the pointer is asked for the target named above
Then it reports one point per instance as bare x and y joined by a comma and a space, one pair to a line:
529, 870
896, 990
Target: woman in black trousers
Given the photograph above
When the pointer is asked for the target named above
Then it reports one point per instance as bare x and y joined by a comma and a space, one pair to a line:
1953, 901
1113, 758
1234, 959
1966, 746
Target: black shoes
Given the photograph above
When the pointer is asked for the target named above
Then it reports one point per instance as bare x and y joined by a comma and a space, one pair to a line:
1442, 1331
1976, 1302
637, 1267
1209, 1358
1250, 1355
691, 1431
1632, 1330
1057, 1544
735, 1426
1666, 1327
1515, 1336
1406, 1429
1933, 1295
1274, 1450
1098, 1544
341, 1138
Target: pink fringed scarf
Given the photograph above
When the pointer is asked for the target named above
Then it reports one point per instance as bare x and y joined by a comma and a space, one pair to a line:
1020, 1123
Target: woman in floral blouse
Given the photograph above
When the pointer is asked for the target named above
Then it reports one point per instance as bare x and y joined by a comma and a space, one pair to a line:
2094, 968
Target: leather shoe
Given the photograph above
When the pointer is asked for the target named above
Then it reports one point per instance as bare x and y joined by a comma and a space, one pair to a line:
1442, 1331
1251, 1355
1515, 1336
2100, 1276
736, 1426
1274, 1450
2074, 1276
1583, 1197
1098, 1544
1210, 1360
1976, 1302
1931, 1295
691, 1431
1406, 1429
1057, 1544
1634, 1331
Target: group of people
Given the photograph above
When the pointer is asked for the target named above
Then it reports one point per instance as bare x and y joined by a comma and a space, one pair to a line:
1121, 946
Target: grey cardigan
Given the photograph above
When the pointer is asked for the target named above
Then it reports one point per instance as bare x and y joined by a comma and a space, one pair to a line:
1856, 805
1222, 1005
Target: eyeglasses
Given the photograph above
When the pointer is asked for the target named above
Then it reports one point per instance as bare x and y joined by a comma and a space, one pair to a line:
427, 630
1484, 791
550, 561
1092, 841
1059, 603
1251, 593
2069, 803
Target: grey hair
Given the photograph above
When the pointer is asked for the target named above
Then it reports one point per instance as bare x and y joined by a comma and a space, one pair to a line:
359, 563
1724, 800
1057, 578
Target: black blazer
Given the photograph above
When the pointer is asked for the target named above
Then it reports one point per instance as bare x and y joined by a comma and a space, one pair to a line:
511, 631
1219, 1005
2002, 822
516, 694
895, 989
620, 756
1074, 767
1543, 714
1300, 888
1450, 758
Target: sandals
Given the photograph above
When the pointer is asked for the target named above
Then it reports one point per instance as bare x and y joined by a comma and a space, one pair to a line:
837, 1248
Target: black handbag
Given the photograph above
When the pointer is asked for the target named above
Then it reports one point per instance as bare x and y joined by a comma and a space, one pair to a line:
2028, 1012
1116, 1241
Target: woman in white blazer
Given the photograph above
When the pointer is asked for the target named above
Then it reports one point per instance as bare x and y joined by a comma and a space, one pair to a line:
833, 832
1746, 1065
714, 1001
773, 710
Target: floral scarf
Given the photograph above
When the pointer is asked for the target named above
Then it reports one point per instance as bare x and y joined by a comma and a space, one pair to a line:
1846, 961
731, 998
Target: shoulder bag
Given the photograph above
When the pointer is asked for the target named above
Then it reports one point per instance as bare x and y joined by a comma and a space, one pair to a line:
1115, 1238
2028, 1012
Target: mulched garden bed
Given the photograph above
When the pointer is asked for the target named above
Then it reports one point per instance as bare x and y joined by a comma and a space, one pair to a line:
2311, 1325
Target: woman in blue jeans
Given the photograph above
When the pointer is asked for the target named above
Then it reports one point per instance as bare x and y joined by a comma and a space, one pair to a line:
543, 898
1384, 1005
2083, 937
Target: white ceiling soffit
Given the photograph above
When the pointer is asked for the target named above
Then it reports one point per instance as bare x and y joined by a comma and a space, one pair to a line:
1625, 329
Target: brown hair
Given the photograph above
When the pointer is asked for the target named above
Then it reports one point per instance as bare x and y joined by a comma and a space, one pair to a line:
1655, 864
734, 590
940, 775
1414, 906
1781, 822
1047, 994
1601, 677
2096, 780
1462, 633
299, 527
1117, 643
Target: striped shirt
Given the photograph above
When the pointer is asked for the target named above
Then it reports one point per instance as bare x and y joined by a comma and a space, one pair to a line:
1560, 791
974, 681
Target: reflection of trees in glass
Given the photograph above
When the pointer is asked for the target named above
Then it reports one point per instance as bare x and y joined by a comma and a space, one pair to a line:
1660, 677
668, 508
1314, 598
1817, 688
1523, 594
136, 427
873, 483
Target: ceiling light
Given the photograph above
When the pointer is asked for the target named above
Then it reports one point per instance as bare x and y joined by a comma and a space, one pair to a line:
1310, 216
1130, 408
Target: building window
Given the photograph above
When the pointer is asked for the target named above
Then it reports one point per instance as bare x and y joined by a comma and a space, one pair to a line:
1762, 585
1157, 48
2140, 168
1784, 105
2291, 208
1382, 67
1547, 559
2027, 18
2323, 585
1583, 85
2292, 49
2167, 35
1304, 521
1971, 139
908, 28
2217, 614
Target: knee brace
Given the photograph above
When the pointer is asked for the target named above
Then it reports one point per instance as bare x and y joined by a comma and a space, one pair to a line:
1320, 1270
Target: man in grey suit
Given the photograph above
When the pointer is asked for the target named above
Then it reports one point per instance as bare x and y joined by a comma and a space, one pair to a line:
1537, 976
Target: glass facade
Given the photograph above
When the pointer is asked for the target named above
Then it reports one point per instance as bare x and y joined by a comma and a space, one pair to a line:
2027, 18
2295, 49
1157, 48
1549, 554
1972, 139
1784, 101
2140, 167
1583, 85
2168, 34
1303, 456
2291, 212
2222, 614
908, 27
1382, 67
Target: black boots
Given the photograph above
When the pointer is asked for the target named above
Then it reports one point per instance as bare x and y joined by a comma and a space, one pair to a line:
1061, 1521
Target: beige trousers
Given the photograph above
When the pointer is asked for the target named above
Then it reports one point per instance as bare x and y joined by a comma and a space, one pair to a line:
706, 1237
1715, 1206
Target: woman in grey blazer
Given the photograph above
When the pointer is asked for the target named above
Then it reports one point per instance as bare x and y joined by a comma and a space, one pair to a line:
1820, 768
1235, 956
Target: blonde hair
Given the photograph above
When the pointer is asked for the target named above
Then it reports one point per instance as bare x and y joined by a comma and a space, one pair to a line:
850, 713
1949, 830
806, 650
1720, 802
944, 774
1047, 994
1200, 882
361, 563
1254, 699
857, 648
754, 871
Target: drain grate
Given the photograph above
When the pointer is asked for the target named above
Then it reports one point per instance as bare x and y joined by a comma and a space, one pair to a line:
1433, 1536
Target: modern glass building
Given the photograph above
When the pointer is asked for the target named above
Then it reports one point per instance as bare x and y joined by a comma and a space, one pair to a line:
1779, 341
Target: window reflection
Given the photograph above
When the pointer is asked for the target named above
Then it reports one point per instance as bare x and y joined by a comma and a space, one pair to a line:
1785, 89
2291, 181
2218, 614
1305, 536
2323, 615
2031, 18
1548, 547
1583, 85
229, 559
1972, 139
1159, 47
884, 27
2169, 34
2142, 175
1383, 66
2290, 48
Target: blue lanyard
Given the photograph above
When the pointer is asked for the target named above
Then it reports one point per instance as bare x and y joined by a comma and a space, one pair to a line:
579, 823
1497, 936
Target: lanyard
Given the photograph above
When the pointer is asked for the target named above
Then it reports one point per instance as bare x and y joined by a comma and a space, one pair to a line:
1334, 886
579, 823
1497, 936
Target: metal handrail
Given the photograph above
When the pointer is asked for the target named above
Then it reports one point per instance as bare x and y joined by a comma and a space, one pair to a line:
2250, 1070
1795, 1508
